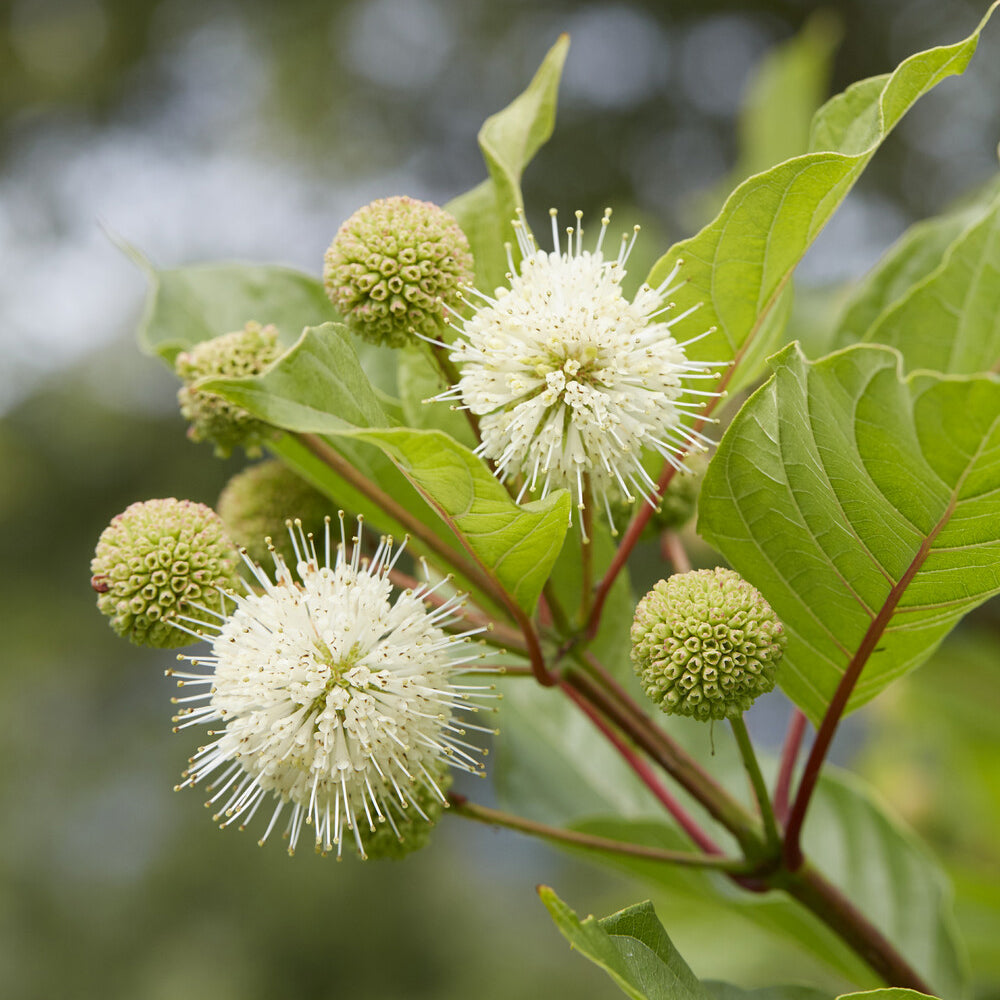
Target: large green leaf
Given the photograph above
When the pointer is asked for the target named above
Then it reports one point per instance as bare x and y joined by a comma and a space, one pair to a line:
917, 253
187, 305
516, 544
726, 991
738, 265
633, 949
950, 320
508, 140
894, 993
865, 507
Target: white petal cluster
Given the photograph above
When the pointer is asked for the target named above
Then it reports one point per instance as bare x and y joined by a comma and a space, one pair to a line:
335, 699
570, 380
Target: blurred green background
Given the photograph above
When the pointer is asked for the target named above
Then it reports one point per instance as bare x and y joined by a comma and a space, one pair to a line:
213, 129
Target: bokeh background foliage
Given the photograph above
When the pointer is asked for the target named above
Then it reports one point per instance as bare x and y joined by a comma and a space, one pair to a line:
251, 130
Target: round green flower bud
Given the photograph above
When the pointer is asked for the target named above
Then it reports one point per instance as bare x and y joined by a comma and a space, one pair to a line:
706, 644
412, 831
392, 264
677, 505
681, 497
155, 562
257, 503
245, 352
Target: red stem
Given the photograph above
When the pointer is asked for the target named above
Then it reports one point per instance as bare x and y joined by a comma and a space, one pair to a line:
672, 549
789, 756
645, 773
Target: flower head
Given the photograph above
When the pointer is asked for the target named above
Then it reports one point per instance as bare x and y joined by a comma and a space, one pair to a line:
569, 379
334, 698
244, 352
157, 561
392, 264
706, 644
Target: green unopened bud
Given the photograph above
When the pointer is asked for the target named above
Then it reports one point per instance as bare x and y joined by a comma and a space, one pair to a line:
257, 503
245, 352
404, 831
158, 561
676, 506
391, 266
680, 500
706, 644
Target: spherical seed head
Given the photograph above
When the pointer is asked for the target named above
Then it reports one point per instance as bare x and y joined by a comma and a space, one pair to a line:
244, 352
257, 503
391, 266
706, 644
160, 560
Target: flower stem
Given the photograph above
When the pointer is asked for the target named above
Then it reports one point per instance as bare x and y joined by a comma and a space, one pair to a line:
786, 769
757, 780
495, 817
672, 549
451, 376
586, 555
645, 774
678, 764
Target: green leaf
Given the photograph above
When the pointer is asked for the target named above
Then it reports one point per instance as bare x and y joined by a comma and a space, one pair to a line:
516, 544
917, 253
633, 949
865, 507
187, 305
739, 264
726, 991
419, 380
508, 140
950, 321
894, 993
316, 387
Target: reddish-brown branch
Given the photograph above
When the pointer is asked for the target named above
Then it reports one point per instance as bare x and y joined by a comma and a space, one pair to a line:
789, 757
673, 551
645, 773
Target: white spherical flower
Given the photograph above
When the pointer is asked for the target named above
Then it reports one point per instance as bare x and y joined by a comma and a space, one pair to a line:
335, 698
570, 380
